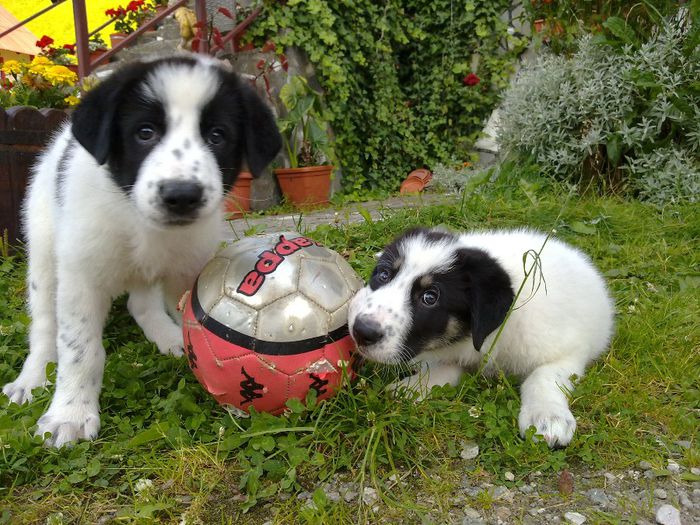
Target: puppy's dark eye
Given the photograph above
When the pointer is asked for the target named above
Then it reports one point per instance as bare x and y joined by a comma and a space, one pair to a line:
146, 133
216, 136
430, 297
383, 275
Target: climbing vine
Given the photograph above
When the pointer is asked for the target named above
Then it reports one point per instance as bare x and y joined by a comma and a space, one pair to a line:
408, 82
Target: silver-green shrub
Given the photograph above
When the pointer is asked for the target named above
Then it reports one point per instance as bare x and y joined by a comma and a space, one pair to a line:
620, 116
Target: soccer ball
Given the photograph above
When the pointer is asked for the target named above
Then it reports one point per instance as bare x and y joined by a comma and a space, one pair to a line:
266, 321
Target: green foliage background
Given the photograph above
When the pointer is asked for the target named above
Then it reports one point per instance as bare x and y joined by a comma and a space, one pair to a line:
392, 76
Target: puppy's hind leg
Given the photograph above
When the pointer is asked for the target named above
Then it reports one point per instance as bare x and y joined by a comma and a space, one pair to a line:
41, 284
147, 306
545, 404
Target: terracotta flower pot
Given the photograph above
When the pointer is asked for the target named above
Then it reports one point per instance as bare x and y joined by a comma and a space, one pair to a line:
308, 186
416, 181
116, 38
237, 201
94, 55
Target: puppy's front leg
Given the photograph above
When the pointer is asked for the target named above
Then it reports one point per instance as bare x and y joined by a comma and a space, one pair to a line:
430, 375
147, 306
545, 403
81, 310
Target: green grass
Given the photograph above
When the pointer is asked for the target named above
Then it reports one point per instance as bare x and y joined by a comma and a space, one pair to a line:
158, 424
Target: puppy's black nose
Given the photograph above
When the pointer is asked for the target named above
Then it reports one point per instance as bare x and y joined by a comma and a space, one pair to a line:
365, 331
180, 197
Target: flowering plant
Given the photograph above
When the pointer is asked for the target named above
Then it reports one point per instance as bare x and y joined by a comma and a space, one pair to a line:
57, 55
471, 80
97, 43
40, 83
130, 17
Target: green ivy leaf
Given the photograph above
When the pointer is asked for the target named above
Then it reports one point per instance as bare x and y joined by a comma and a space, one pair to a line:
618, 27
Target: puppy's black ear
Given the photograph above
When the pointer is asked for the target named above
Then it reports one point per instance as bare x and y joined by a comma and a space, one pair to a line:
93, 123
262, 137
490, 292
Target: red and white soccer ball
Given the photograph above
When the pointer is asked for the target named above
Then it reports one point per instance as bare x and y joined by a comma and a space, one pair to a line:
266, 321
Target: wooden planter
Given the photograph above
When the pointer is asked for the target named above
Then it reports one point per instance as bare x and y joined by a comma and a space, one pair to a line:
23, 134
305, 187
237, 202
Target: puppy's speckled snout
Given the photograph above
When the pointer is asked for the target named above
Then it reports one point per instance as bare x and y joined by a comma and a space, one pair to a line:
366, 331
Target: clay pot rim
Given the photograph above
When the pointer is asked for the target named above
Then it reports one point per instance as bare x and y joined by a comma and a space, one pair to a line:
305, 169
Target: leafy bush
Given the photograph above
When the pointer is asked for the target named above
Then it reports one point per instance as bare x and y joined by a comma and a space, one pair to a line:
396, 77
615, 115
564, 21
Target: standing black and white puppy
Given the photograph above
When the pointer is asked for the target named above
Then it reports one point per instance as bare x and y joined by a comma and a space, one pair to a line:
129, 197
438, 299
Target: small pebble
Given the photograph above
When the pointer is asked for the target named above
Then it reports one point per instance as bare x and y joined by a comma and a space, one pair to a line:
473, 521
526, 489
503, 493
349, 495
369, 495
469, 450
575, 517
673, 467
598, 497
684, 444
509, 476
645, 465
695, 471
304, 495
660, 493
668, 515
685, 500
612, 478
472, 517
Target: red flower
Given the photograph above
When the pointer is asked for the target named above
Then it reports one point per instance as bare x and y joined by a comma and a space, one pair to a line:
471, 80
133, 6
45, 41
70, 48
226, 13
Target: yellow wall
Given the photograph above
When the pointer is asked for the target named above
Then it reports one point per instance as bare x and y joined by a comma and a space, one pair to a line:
58, 23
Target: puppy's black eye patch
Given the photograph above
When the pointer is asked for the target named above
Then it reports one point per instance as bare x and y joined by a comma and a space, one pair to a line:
381, 276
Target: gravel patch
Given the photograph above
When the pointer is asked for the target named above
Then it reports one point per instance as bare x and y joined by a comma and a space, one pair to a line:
574, 497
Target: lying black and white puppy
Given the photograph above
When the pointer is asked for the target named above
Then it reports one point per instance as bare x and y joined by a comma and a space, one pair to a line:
439, 299
129, 197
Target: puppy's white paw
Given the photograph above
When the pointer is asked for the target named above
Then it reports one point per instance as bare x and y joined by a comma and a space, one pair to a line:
20, 390
68, 425
555, 423
170, 342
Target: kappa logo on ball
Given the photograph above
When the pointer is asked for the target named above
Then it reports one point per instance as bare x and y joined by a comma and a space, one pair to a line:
269, 261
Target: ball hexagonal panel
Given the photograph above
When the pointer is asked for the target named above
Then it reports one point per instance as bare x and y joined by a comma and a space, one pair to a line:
210, 283
292, 318
321, 282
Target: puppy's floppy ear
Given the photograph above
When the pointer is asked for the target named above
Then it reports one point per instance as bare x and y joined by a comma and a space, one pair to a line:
262, 137
490, 292
93, 120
